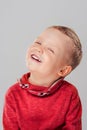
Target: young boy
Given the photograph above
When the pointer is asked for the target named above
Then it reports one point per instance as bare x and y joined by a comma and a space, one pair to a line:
42, 99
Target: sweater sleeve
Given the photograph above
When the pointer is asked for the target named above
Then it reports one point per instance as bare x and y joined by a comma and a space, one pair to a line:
73, 117
9, 113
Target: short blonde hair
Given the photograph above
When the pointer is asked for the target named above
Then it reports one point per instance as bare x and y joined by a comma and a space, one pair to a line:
76, 55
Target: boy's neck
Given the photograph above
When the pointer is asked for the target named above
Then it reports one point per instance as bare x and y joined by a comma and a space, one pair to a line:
40, 80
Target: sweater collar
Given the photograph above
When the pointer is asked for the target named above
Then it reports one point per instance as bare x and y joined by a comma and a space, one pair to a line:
39, 90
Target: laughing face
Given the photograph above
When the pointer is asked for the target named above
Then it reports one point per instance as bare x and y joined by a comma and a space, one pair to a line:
47, 54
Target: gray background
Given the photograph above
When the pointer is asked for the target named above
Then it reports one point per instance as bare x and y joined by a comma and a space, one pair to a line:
20, 23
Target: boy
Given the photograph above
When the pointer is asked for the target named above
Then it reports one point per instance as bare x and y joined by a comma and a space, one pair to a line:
42, 99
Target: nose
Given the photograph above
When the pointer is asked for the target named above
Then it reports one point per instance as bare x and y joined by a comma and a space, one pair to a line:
40, 49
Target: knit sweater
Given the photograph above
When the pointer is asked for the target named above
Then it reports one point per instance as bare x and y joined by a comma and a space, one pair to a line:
30, 107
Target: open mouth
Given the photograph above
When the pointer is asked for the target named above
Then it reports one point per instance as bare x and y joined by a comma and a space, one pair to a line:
35, 57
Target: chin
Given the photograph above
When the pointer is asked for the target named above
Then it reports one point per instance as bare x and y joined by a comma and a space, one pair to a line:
31, 67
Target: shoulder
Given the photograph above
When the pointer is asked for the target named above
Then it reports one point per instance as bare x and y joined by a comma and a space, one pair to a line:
69, 89
13, 90
70, 94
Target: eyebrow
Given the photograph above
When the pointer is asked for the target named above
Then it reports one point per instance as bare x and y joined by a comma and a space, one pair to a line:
40, 40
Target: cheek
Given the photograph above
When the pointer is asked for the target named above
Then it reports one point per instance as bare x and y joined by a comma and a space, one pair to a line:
28, 52
50, 58
50, 62
53, 63
27, 55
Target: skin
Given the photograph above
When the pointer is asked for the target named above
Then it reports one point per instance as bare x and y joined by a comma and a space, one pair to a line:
47, 58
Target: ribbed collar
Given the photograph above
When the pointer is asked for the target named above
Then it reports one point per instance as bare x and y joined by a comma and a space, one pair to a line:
39, 90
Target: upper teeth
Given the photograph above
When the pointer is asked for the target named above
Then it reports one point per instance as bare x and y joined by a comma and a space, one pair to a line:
35, 57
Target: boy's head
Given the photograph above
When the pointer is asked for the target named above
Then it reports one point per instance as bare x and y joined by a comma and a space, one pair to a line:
56, 51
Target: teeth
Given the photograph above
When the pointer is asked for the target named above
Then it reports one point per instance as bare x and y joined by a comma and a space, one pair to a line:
35, 57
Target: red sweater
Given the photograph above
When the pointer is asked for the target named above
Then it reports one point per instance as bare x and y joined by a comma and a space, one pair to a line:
30, 107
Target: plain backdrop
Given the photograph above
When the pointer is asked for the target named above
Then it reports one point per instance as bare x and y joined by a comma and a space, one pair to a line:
21, 21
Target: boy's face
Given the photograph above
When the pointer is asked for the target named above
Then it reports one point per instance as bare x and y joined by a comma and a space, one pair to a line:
47, 55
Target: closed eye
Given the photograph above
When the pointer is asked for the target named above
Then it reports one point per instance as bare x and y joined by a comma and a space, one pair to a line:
38, 43
50, 50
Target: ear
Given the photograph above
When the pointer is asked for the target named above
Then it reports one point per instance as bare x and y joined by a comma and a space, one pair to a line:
65, 71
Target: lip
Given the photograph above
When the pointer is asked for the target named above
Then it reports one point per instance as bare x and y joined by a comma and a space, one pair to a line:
36, 58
